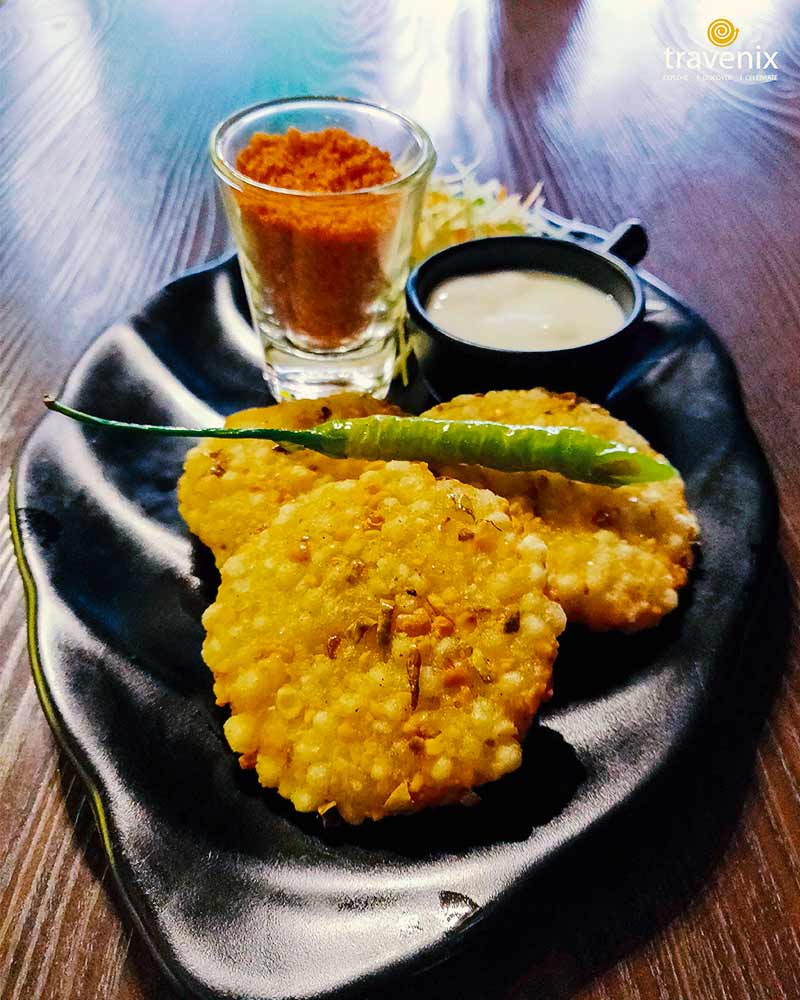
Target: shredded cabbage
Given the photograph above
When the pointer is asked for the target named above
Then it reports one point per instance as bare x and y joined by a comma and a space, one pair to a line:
459, 207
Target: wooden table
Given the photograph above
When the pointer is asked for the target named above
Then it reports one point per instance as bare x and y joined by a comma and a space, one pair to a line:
106, 194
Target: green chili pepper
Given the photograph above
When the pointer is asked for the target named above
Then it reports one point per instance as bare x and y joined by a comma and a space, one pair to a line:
511, 448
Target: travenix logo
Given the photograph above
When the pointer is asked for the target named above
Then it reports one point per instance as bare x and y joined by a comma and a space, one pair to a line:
722, 33
748, 65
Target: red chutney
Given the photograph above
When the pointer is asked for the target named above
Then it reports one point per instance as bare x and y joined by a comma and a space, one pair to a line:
317, 259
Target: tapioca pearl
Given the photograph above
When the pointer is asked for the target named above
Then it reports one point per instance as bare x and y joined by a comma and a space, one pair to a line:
284, 514
235, 566
288, 702
306, 751
303, 801
317, 774
507, 758
531, 625
212, 648
434, 746
531, 545
511, 681
269, 769
537, 575
241, 732
442, 769
380, 769
481, 709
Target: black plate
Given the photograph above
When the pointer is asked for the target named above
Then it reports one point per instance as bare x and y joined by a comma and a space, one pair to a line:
238, 895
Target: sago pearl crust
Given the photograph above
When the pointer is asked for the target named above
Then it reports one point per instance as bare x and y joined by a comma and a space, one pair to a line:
231, 489
616, 557
384, 644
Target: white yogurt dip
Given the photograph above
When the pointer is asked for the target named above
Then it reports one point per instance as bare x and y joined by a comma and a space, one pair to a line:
524, 310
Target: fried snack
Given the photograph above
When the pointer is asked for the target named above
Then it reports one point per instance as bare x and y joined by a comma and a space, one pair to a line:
384, 644
615, 557
232, 489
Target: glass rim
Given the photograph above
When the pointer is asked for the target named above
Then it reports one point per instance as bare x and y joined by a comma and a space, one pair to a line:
226, 171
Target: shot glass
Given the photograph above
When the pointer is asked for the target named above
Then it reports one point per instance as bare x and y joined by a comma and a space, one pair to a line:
325, 272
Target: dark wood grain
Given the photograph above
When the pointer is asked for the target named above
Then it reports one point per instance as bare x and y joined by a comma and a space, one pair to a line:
105, 194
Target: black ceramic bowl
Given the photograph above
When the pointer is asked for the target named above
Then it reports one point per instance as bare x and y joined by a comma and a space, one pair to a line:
451, 365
